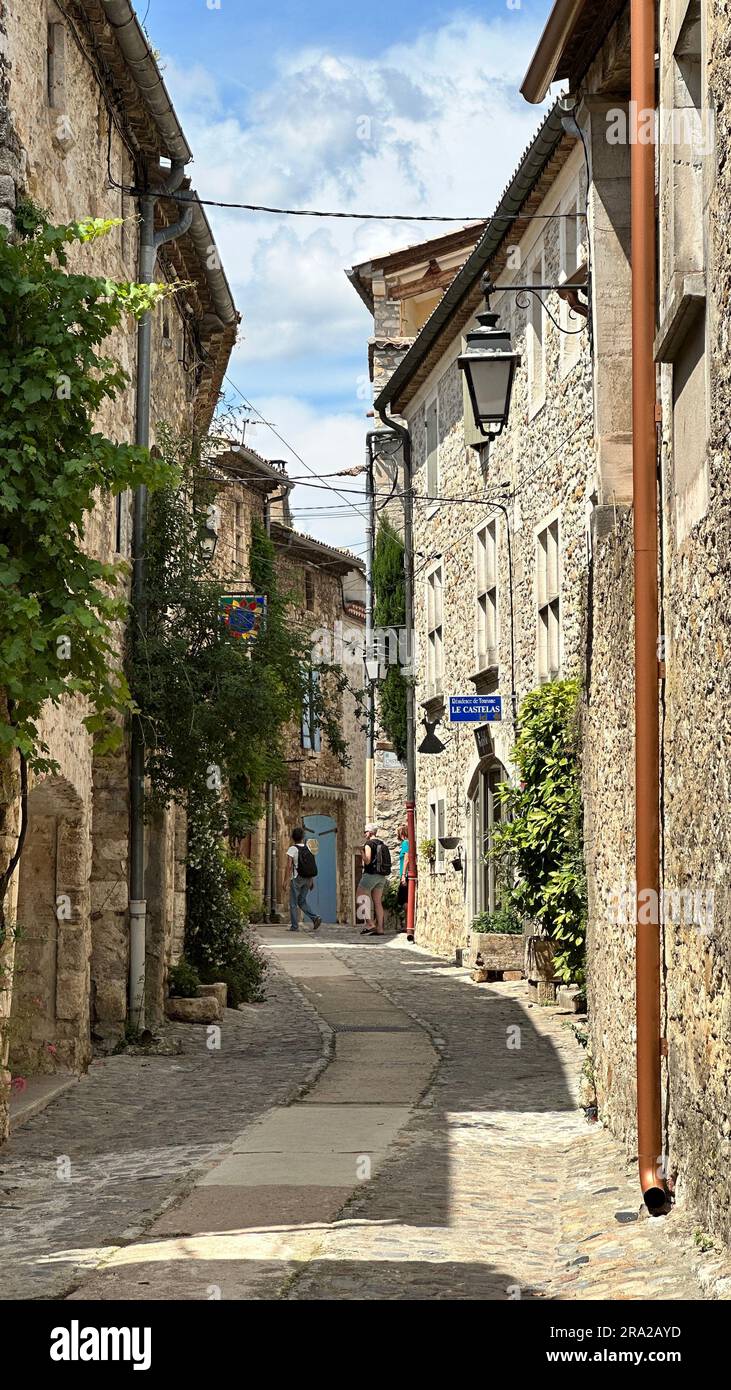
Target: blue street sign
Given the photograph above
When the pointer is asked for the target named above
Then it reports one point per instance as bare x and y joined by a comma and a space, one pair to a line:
475, 707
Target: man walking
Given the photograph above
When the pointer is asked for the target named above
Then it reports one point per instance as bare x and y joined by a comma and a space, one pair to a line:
303, 872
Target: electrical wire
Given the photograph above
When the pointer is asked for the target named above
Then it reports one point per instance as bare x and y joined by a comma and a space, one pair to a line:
283, 441
191, 197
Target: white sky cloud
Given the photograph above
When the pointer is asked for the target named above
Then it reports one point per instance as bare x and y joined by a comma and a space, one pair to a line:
428, 127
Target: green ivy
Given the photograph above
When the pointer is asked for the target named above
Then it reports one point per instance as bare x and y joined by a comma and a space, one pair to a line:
390, 612
539, 846
59, 603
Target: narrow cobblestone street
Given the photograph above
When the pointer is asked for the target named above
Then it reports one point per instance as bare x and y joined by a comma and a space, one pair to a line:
367, 1133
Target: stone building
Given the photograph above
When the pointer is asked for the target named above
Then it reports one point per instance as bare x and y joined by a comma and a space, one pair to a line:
401, 290
499, 528
693, 379
327, 591
85, 119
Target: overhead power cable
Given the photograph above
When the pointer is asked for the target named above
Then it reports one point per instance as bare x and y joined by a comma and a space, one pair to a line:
287, 445
191, 197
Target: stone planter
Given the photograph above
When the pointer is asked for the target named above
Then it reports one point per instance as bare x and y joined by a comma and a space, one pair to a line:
218, 991
498, 951
539, 968
201, 1010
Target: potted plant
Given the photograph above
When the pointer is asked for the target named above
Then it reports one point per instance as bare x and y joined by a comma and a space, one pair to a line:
428, 851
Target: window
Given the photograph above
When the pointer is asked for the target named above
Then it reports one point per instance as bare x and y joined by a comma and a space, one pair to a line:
432, 447
549, 602
485, 813
437, 815
309, 591
435, 633
535, 337
486, 636
56, 65
311, 734
238, 534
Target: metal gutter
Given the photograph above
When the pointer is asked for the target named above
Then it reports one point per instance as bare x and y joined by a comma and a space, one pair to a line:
203, 239
559, 28
131, 39
539, 151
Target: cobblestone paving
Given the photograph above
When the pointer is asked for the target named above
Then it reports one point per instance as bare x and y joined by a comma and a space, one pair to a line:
491, 1186
92, 1170
498, 1189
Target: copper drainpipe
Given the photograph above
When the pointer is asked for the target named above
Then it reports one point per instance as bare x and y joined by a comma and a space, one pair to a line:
647, 700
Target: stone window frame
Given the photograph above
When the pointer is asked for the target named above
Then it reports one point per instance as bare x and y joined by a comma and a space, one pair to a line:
548, 603
535, 273
487, 656
480, 822
434, 650
310, 731
56, 60
437, 817
309, 589
570, 341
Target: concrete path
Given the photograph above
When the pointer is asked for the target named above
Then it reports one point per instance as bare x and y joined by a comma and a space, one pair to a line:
421, 1141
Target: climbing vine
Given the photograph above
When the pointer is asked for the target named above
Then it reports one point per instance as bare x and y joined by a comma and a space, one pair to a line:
539, 846
389, 612
215, 709
58, 602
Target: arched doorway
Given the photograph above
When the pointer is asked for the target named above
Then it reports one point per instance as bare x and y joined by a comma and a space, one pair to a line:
324, 897
484, 813
49, 1017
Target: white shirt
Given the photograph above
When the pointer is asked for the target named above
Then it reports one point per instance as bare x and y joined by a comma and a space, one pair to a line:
293, 853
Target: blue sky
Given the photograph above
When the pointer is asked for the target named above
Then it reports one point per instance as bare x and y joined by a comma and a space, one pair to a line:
384, 107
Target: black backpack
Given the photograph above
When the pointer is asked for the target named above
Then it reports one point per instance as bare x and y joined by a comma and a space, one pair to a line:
380, 858
306, 862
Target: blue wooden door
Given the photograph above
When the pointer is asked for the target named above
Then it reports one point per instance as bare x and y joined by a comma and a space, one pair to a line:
324, 897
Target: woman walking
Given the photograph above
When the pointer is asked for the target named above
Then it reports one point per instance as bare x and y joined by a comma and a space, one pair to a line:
369, 894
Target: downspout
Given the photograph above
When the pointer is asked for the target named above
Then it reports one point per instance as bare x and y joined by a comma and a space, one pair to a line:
647, 702
408, 495
270, 836
150, 243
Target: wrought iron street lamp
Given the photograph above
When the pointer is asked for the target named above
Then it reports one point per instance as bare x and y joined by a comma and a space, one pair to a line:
489, 365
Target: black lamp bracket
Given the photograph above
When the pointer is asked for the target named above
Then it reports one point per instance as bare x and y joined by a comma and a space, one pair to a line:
567, 291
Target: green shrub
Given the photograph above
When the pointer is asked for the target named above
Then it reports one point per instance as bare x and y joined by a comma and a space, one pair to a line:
539, 846
217, 937
183, 980
503, 919
238, 881
390, 901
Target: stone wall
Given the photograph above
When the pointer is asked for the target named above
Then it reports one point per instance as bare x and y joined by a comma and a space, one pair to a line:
695, 568
546, 456
54, 148
608, 786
